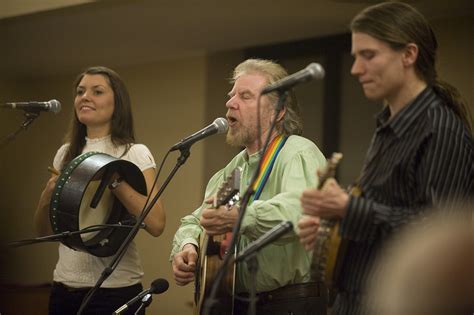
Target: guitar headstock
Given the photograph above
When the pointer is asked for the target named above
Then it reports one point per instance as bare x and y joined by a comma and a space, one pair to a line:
330, 169
333, 161
229, 188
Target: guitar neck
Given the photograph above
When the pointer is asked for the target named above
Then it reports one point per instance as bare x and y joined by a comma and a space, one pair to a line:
327, 238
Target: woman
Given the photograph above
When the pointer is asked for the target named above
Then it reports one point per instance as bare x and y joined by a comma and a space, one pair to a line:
102, 121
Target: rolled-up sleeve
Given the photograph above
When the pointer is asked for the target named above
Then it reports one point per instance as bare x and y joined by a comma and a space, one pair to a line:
190, 228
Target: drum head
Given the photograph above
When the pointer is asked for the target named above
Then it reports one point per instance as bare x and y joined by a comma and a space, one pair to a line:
81, 199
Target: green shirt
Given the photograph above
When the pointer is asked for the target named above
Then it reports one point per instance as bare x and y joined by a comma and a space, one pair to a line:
284, 261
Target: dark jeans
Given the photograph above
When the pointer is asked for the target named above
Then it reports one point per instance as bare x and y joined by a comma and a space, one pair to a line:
298, 299
67, 301
299, 306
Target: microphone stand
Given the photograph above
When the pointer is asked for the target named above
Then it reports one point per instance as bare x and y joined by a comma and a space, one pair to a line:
146, 301
252, 266
211, 300
249, 255
65, 234
133, 232
30, 117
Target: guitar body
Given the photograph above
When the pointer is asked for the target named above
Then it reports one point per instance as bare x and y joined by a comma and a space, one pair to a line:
329, 249
211, 256
209, 263
328, 255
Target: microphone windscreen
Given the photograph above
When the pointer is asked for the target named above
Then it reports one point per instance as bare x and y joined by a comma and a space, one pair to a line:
222, 125
159, 286
316, 70
55, 106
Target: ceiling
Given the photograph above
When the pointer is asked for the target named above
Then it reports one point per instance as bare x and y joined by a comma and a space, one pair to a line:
11, 8
59, 36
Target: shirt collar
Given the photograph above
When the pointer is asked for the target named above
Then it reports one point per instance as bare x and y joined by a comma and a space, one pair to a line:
252, 158
97, 140
405, 118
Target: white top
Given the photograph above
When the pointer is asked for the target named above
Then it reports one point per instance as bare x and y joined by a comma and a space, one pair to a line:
79, 269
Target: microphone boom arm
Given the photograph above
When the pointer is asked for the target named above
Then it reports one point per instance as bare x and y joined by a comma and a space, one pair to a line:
30, 117
60, 236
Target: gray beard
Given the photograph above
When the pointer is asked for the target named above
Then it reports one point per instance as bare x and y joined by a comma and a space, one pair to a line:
238, 139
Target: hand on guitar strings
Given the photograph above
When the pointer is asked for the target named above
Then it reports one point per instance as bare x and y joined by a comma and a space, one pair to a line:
307, 231
184, 265
217, 221
328, 203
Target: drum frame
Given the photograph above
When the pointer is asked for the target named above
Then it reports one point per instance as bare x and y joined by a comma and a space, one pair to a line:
68, 194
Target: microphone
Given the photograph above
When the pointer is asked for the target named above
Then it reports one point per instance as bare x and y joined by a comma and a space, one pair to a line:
219, 125
312, 71
49, 106
157, 286
265, 239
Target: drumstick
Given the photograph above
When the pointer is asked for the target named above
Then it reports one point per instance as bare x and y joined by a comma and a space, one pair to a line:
52, 170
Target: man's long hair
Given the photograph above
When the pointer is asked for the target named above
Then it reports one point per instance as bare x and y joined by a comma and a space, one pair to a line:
292, 123
399, 24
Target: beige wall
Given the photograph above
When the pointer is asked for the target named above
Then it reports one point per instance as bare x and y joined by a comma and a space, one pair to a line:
171, 100
456, 54
23, 165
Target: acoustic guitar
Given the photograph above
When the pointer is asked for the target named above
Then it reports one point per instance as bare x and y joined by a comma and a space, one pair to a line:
212, 252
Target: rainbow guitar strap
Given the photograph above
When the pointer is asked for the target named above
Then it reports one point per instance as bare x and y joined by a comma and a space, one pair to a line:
268, 161
267, 164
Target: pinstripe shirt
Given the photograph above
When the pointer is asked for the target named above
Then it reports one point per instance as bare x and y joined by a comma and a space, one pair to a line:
420, 158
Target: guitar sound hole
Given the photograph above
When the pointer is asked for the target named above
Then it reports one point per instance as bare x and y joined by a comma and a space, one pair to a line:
213, 248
